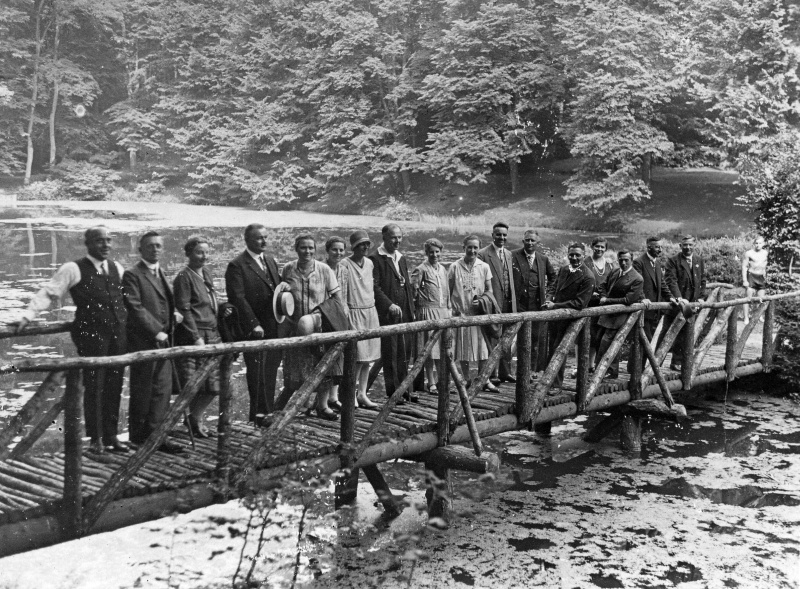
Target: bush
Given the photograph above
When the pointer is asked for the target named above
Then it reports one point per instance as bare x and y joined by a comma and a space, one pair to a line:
397, 210
787, 319
43, 190
85, 181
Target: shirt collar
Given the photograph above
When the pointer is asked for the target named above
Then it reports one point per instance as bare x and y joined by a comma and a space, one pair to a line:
497, 249
98, 264
624, 272
530, 255
150, 266
395, 256
651, 258
253, 254
571, 269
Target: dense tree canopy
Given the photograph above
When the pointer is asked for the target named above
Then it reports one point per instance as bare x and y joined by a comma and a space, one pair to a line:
274, 101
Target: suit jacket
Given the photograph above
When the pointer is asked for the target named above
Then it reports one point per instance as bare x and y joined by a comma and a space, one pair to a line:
250, 290
389, 287
193, 301
621, 289
150, 306
521, 277
683, 281
572, 290
655, 286
489, 255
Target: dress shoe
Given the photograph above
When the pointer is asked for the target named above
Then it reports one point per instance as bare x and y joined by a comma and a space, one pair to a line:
610, 376
170, 447
491, 388
326, 414
335, 405
511, 379
96, 447
495, 381
366, 403
115, 445
675, 366
413, 397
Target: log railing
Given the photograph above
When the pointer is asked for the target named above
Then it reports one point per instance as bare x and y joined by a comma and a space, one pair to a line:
49, 401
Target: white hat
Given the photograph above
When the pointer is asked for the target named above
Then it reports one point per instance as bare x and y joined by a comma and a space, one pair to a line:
282, 303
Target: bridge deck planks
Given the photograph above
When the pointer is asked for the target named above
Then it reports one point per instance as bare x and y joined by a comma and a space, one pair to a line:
305, 438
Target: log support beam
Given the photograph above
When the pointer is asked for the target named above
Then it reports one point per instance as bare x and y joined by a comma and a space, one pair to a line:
390, 506
460, 458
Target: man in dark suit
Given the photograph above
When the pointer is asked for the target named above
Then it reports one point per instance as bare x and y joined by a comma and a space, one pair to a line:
499, 258
654, 287
250, 282
623, 287
394, 301
572, 289
151, 317
95, 285
686, 279
532, 273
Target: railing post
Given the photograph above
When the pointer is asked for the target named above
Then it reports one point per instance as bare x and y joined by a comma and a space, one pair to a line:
582, 378
687, 365
730, 346
224, 423
72, 506
443, 386
523, 367
346, 485
635, 361
768, 340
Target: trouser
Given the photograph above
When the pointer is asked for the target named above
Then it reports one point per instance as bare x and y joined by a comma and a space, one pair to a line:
102, 388
538, 336
556, 330
606, 338
262, 371
187, 366
397, 351
151, 388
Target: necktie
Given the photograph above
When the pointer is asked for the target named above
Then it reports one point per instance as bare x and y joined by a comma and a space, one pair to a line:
530, 262
103, 270
262, 262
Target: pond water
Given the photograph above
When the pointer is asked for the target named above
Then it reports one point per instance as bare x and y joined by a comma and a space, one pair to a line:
713, 502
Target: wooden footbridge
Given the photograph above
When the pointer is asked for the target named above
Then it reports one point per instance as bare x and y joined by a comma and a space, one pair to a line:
51, 498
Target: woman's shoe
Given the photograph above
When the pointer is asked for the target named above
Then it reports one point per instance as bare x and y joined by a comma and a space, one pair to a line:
335, 405
366, 403
433, 390
327, 414
198, 431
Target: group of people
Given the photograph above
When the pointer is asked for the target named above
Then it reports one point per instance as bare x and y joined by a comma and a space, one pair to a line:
123, 310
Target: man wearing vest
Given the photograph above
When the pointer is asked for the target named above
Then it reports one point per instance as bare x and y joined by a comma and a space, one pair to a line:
532, 273
151, 317
95, 285
500, 260
655, 288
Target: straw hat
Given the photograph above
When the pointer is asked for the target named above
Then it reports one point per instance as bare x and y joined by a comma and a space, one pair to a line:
282, 303
359, 237
308, 324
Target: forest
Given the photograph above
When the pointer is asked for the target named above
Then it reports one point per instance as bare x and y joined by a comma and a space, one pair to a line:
271, 102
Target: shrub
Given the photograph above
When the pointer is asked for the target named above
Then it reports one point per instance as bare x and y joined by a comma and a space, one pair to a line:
85, 181
43, 190
397, 210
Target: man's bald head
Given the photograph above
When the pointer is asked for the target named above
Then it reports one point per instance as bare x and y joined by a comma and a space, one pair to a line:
98, 242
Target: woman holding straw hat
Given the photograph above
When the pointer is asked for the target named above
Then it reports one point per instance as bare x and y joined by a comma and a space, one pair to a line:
432, 299
311, 282
360, 302
335, 250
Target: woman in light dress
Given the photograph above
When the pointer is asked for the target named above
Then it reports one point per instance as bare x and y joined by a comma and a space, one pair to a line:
468, 279
360, 301
432, 295
311, 282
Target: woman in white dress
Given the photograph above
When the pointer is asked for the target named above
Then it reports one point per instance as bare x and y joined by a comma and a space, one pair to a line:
468, 279
432, 300
360, 301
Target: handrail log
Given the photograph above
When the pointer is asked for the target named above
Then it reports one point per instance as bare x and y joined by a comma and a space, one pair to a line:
114, 485
704, 313
701, 350
296, 402
741, 341
34, 406
462, 394
665, 346
384, 331
45, 420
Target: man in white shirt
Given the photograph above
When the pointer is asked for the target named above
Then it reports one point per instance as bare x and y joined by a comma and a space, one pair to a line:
95, 285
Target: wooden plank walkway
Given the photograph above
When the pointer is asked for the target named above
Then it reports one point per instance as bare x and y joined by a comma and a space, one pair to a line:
32, 487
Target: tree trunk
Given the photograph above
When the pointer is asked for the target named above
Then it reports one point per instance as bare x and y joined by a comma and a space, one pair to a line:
54, 107
513, 167
647, 166
34, 91
405, 176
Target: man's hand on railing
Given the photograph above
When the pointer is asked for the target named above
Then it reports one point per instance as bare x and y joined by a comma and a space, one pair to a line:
22, 324
199, 342
646, 303
178, 316
161, 337
396, 313
549, 305
257, 333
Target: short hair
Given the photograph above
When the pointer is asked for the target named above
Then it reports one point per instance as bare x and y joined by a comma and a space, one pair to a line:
469, 238
688, 238
530, 232
252, 227
621, 253
334, 239
432, 242
89, 233
388, 227
653, 239
148, 234
599, 239
500, 224
576, 246
303, 237
193, 242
